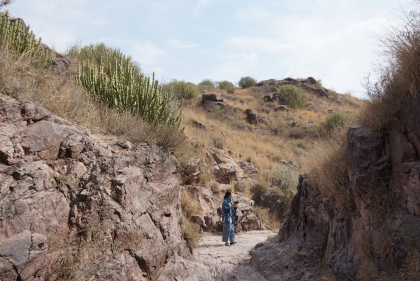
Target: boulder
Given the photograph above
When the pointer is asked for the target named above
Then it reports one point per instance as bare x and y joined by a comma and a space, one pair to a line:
264, 120
281, 108
209, 97
251, 116
199, 125
311, 81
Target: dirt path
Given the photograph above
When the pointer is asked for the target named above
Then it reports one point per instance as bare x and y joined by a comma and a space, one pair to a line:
231, 262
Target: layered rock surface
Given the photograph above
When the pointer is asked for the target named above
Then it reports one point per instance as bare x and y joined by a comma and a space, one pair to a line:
371, 237
70, 199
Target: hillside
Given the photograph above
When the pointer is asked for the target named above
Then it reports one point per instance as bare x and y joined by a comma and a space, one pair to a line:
281, 143
106, 175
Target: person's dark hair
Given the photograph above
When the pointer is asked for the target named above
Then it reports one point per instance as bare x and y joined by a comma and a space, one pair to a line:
227, 194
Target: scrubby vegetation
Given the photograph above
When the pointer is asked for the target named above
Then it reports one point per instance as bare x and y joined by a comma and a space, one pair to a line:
206, 84
246, 82
335, 121
292, 96
184, 89
20, 39
226, 85
114, 80
398, 74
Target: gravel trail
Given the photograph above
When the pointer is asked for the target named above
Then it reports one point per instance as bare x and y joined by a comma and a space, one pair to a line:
231, 262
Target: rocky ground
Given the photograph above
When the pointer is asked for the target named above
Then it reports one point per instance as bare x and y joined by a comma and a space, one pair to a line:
233, 262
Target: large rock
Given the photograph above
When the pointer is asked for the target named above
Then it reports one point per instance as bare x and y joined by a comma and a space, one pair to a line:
251, 116
114, 215
384, 207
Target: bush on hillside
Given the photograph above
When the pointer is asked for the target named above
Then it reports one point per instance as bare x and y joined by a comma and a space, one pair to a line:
20, 40
285, 178
226, 85
114, 80
292, 96
335, 121
206, 84
184, 89
247, 82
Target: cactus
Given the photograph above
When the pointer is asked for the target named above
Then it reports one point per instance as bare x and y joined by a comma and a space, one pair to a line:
114, 80
18, 39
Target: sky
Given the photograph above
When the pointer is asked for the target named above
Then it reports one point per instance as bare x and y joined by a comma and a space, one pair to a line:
335, 41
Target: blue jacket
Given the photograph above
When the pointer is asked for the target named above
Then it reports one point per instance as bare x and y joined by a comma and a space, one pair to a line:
227, 211
226, 207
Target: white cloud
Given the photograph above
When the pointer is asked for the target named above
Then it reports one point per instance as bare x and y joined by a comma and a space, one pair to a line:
251, 13
98, 22
176, 44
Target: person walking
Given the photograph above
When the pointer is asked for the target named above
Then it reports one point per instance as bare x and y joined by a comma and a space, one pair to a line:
228, 219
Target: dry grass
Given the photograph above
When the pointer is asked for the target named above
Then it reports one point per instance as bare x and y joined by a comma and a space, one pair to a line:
26, 79
267, 217
329, 170
398, 72
85, 257
191, 234
190, 206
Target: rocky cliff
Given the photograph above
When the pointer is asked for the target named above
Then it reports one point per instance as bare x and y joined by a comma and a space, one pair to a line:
377, 236
73, 206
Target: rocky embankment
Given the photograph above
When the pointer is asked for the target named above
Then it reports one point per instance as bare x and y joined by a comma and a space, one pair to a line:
73, 206
378, 235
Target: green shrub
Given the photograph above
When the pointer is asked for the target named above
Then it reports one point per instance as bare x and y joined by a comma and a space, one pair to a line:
284, 177
206, 84
247, 82
292, 96
17, 39
319, 83
184, 89
226, 85
114, 80
335, 121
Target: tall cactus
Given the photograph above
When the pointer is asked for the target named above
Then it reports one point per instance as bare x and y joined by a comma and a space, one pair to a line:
113, 79
20, 40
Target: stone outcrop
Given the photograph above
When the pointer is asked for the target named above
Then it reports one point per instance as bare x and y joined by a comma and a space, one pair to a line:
67, 197
309, 84
379, 227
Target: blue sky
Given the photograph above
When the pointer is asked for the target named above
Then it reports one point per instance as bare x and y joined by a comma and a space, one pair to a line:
332, 40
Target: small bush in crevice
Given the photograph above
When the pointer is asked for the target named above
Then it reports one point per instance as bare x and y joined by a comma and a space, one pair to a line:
292, 96
247, 82
184, 89
191, 234
190, 205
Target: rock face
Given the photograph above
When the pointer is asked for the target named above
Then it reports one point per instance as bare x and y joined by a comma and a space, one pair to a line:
368, 239
68, 198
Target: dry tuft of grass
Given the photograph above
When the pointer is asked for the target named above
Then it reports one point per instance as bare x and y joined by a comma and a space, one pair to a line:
191, 234
190, 206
